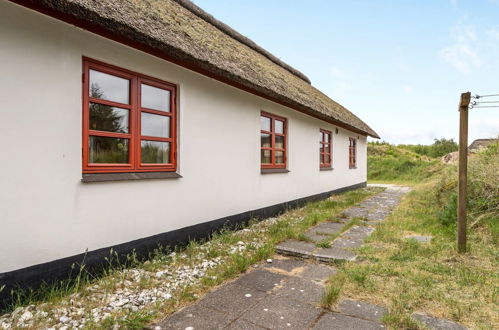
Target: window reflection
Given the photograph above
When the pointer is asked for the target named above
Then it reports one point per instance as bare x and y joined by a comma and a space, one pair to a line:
108, 87
154, 152
266, 157
265, 140
106, 150
279, 142
155, 98
109, 119
279, 127
279, 157
265, 123
155, 125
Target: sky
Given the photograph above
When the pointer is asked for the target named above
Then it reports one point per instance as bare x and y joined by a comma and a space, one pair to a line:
400, 65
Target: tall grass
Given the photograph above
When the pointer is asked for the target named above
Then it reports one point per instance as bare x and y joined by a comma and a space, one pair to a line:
483, 191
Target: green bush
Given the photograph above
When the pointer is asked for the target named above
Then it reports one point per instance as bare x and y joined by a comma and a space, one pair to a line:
439, 148
391, 163
483, 190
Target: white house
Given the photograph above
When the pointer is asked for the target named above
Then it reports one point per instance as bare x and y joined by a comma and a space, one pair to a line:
129, 124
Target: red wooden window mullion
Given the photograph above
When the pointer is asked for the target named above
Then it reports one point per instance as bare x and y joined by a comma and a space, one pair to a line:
133, 136
325, 144
273, 134
352, 151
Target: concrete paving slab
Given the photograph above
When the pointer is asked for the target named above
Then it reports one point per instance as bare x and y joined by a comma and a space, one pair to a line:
232, 299
345, 242
261, 280
328, 228
436, 323
355, 212
362, 309
287, 264
317, 272
359, 232
334, 253
331, 321
195, 317
296, 248
275, 312
243, 325
311, 234
301, 290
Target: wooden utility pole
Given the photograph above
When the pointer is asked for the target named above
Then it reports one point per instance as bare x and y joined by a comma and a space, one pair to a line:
463, 172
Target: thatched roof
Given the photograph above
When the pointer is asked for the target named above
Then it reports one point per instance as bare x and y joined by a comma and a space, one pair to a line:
183, 33
481, 143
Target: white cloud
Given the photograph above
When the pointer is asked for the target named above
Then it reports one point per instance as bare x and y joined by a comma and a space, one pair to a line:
463, 54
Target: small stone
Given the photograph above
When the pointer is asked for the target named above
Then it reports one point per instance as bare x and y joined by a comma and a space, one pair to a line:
26, 317
266, 309
64, 319
282, 317
248, 295
189, 328
269, 261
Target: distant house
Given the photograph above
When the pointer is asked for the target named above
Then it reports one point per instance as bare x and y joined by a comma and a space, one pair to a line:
479, 144
129, 124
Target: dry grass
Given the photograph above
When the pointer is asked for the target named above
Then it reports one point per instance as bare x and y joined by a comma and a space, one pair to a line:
407, 276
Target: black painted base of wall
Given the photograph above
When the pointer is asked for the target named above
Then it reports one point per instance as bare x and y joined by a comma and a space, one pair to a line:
67, 268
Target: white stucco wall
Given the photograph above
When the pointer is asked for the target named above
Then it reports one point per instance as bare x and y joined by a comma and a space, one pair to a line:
46, 212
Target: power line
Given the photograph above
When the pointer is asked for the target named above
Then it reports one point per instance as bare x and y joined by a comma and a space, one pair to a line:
476, 96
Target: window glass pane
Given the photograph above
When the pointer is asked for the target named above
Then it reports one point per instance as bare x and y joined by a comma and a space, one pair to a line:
155, 98
279, 127
327, 148
154, 152
266, 157
326, 137
108, 87
155, 125
279, 157
107, 118
265, 140
279, 142
107, 150
265, 123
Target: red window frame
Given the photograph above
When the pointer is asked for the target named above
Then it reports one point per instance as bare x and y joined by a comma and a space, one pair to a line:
134, 131
273, 134
352, 153
325, 157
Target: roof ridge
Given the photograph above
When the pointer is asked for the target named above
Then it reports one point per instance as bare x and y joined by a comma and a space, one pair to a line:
193, 8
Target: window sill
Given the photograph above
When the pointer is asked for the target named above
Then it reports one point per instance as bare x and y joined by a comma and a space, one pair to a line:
326, 168
273, 170
103, 177
352, 168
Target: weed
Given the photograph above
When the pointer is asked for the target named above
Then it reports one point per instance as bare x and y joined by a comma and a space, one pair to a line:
323, 244
332, 291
